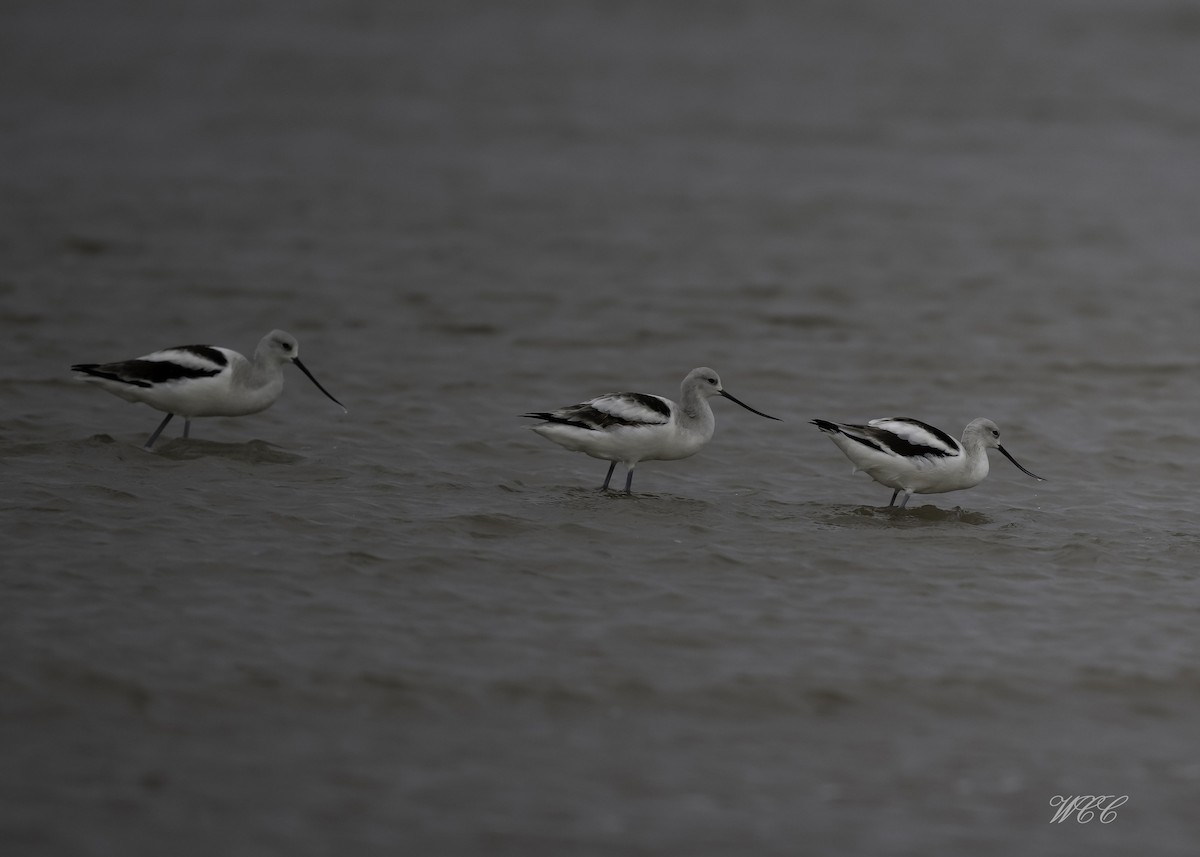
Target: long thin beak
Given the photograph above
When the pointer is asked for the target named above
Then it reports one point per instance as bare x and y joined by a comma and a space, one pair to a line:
1019, 467
751, 410
300, 365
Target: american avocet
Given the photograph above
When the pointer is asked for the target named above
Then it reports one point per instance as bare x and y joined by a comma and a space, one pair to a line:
913, 457
202, 380
633, 427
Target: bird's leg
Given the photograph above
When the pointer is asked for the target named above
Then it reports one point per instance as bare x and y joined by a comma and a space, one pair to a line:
187, 426
611, 468
629, 481
904, 502
893, 500
158, 431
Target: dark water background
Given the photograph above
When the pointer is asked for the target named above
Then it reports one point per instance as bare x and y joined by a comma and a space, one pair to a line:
418, 628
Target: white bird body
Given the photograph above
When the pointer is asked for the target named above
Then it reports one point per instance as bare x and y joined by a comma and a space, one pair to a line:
912, 457
633, 427
630, 427
202, 380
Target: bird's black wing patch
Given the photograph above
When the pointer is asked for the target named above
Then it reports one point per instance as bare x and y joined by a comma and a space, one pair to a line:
144, 373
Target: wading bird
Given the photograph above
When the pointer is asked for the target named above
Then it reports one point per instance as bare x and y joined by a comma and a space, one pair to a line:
202, 380
633, 427
912, 457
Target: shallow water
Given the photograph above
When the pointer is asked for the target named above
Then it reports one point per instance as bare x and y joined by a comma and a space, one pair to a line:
419, 628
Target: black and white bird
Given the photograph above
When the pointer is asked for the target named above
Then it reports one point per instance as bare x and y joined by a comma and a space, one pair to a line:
912, 457
633, 427
202, 380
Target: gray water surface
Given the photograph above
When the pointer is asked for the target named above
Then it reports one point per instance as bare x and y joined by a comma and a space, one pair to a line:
419, 628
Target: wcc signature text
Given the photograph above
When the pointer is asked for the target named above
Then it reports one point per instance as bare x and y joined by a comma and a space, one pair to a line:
1084, 808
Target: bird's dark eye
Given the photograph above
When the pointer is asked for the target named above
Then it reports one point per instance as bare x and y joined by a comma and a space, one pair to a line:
995, 432
712, 381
